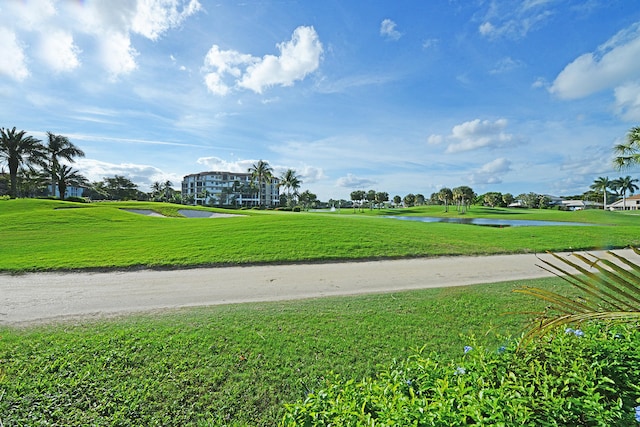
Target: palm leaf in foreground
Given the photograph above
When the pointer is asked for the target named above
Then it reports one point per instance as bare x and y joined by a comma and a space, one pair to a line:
608, 289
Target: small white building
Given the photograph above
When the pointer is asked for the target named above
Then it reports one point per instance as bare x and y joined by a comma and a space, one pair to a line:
229, 189
632, 203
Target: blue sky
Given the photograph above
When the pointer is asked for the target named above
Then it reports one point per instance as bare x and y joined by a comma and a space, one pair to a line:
396, 96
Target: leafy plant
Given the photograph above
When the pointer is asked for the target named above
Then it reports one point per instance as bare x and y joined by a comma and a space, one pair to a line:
564, 379
609, 288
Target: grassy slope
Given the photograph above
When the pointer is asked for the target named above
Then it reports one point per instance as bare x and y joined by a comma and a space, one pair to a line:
37, 235
234, 365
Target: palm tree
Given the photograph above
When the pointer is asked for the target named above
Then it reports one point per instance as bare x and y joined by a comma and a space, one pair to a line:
622, 185
167, 190
31, 182
156, 189
628, 154
17, 149
602, 184
261, 173
445, 195
66, 176
608, 286
59, 147
291, 182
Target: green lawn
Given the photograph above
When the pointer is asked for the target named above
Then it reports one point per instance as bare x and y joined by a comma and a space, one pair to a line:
49, 235
238, 364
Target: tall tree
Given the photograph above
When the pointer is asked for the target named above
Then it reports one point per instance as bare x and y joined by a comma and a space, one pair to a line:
17, 149
602, 184
409, 200
167, 191
31, 182
308, 199
357, 197
291, 182
156, 191
370, 196
120, 188
66, 177
624, 184
381, 197
627, 154
59, 147
445, 195
261, 174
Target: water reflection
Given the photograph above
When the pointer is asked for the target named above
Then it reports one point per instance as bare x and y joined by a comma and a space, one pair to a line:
489, 222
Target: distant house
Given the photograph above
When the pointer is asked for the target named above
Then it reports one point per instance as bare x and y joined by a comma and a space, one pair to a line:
70, 191
632, 203
578, 205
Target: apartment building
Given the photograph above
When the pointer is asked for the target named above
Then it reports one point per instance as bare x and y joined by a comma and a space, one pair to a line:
229, 189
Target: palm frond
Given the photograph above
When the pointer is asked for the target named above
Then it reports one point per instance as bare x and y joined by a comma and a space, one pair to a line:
606, 287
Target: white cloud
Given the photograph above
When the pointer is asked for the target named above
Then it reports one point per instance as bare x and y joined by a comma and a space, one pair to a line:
628, 101
491, 173
60, 24
13, 62
118, 56
505, 65
222, 62
142, 175
505, 20
31, 15
311, 174
155, 17
352, 181
59, 52
477, 134
614, 63
435, 139
218, 164
298, 57
487, 29
388, 30
429, 43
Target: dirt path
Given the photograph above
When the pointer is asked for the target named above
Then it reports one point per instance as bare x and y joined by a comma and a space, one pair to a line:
46, 297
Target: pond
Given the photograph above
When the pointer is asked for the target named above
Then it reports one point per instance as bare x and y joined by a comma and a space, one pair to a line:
489, 222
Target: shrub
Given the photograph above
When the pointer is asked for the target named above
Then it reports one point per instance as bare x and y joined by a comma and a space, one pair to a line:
76, 199
296, 209
5, 197
584, 377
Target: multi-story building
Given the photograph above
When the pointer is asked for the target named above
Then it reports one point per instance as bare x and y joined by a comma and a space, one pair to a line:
230, 189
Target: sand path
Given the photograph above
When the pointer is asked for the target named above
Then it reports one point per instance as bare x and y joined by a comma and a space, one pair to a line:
49, 297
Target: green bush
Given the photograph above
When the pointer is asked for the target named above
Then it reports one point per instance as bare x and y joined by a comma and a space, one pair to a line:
296, 209
5, 197
76, 199
587, 377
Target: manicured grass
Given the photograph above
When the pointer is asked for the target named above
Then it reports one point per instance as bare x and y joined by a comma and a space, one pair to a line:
236, 365
50, 235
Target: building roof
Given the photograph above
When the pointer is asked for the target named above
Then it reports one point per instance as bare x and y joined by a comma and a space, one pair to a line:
631, 199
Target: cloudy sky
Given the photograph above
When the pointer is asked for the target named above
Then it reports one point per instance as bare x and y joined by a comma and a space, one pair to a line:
396, 96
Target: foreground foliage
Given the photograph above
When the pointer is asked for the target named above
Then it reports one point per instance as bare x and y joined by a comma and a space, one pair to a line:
608, 288
584, 377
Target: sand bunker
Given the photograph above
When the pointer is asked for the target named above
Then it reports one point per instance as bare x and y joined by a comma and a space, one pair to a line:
192, 213
147, 212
